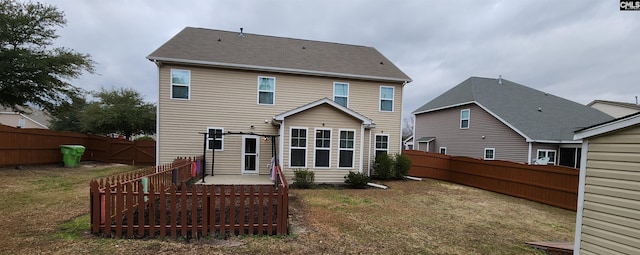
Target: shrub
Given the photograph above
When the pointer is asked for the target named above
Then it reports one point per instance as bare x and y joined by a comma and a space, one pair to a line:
303, 178
402, 164
383, 167
356, 180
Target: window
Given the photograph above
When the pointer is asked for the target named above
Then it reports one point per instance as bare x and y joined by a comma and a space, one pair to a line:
382, 144
443, 150
341, 93
266, 90
215, 139
322, 148
489, 153
180, 84
464, 118
551, 154
347, 145
298, 155
386, 99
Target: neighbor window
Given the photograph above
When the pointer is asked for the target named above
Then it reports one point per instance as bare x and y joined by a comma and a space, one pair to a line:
215, 139
347, 145
489, 153
386, 99
341, 93
298, 154
443, 150
180, 84
464, 118
382, 144
266, 90
551, 154
323, 148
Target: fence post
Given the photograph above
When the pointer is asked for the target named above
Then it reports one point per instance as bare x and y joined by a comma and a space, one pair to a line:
175, 176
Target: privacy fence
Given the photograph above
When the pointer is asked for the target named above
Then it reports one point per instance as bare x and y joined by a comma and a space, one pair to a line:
166, 203
31, 146
552, 185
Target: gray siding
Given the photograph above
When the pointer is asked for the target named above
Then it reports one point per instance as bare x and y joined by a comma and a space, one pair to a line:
445, 126
611, 214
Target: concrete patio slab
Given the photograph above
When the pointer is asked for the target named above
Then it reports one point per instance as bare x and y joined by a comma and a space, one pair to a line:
236, 179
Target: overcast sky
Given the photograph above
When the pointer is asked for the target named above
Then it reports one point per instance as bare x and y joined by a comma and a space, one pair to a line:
576, 49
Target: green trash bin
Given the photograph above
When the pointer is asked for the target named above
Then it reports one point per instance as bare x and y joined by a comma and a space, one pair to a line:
71, 154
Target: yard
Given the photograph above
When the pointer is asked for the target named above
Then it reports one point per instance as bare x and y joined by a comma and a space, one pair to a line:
45, 210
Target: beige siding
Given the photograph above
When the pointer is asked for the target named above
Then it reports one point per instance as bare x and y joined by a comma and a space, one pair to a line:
613, 110
12, 119
228, 99
323, 117
611, 215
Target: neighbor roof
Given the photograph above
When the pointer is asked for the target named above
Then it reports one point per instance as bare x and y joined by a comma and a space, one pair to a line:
614, 103
199, 46
536, 115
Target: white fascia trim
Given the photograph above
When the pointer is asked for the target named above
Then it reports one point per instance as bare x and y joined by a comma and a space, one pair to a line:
580, 207
557, 141
608, 127
279, 69
26, 117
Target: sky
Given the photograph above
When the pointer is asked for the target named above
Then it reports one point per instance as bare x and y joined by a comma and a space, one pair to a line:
581, 50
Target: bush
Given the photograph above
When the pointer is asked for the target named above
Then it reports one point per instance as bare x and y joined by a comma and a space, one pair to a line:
303, 178
383, 167
402, 166
356, 180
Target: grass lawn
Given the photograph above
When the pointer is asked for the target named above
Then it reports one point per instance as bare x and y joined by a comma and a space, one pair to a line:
45, 210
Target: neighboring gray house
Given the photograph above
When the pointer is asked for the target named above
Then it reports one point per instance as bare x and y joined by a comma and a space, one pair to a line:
608, 216
499, 119
615, 109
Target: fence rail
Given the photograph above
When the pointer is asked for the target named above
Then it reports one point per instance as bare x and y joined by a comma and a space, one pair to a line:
31, 146
552, 185
121, 206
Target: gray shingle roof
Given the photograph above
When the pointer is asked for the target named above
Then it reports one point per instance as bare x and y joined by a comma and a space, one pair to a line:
277, 54
535, 114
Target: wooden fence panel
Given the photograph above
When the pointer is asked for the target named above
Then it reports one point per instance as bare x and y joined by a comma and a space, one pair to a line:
552, 185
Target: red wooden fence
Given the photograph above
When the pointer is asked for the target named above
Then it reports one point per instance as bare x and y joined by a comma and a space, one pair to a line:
31, 146
123, 209
552, 185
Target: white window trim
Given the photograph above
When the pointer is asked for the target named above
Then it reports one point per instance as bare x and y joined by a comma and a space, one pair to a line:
353, 163
440, 150
306, 137
392, 98
316, 148
183, 85
485, 153
210, 138
274, 90
334, 92
468, 119
552, 161
375, 144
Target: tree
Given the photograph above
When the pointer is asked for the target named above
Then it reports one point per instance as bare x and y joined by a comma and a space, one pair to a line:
66, 117
120, 111
32, 73
407, 127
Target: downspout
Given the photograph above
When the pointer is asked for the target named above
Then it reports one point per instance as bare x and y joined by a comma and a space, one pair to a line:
529, 154
580, 207
361, 147
282, 144
369, 156
158, 120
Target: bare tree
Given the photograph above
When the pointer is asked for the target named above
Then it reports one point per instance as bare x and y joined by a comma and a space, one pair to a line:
407, 127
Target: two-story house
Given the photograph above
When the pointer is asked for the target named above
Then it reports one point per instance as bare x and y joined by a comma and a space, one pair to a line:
331, 106
496, 119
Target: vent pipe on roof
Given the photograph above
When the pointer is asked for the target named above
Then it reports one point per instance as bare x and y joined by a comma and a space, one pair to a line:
500, 79
241, 33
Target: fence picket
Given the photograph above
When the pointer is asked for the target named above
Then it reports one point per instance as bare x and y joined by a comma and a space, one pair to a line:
163, 213
270, 197
232, 210
129, 205
183, 209
223, 209
152, 211
141, 210
251, 202
174, 213
241, 218
261, 210
119, 209
204, 213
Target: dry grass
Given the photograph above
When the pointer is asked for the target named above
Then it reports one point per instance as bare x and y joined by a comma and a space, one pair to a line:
43, 210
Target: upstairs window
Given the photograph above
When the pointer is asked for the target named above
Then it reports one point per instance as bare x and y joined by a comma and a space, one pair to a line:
464, 119
215, 139
266, 90
180, 84
341, 93
386, 99
323, 148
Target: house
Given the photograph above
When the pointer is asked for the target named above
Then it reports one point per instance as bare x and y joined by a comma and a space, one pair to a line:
31, 118
408, 143
503, 120
608, 215
331, 107
615, 109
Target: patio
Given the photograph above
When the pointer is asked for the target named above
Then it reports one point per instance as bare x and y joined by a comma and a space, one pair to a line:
236, 179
